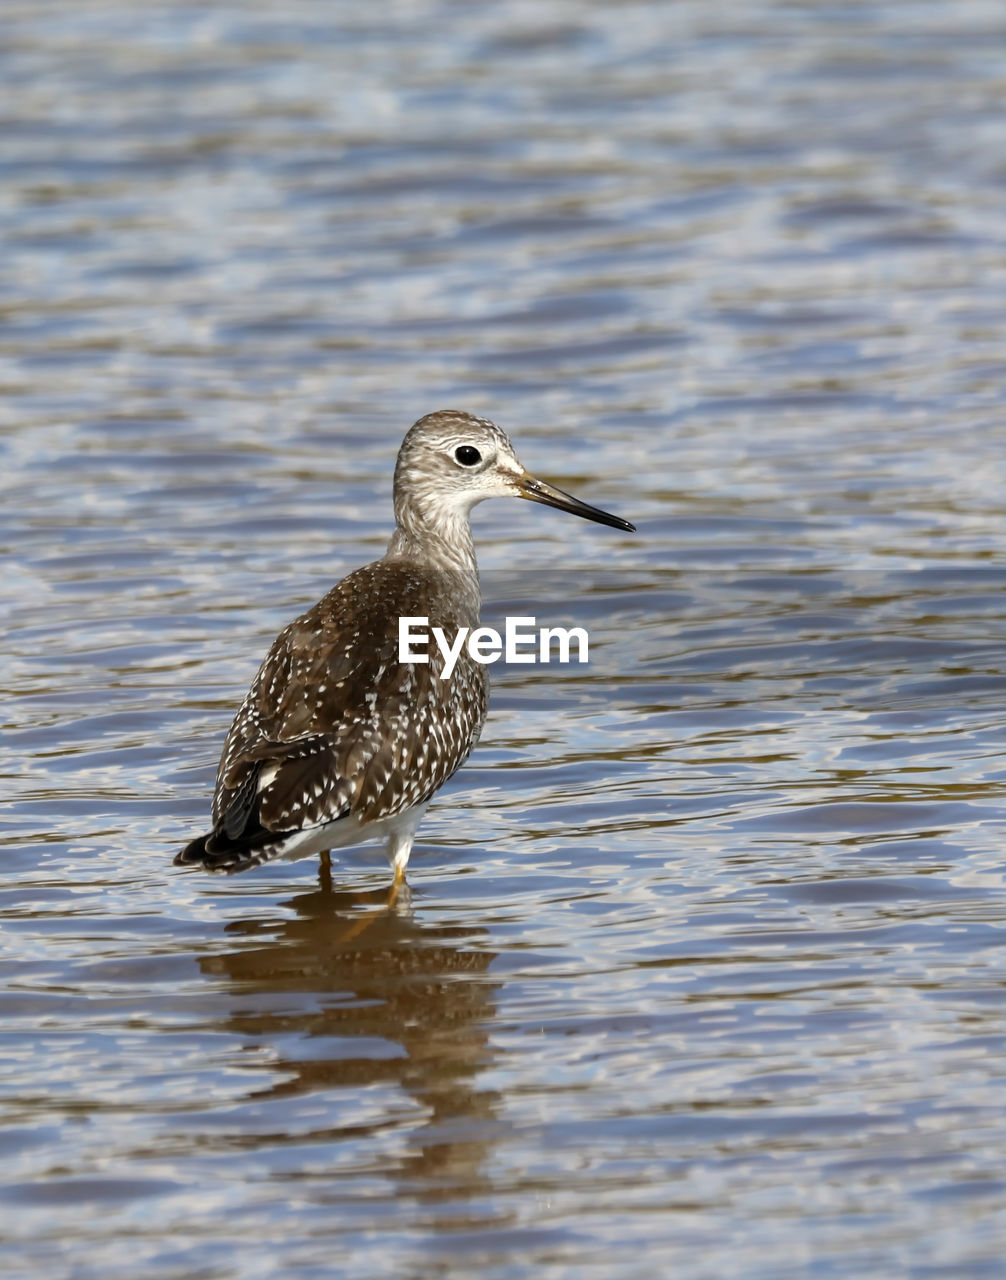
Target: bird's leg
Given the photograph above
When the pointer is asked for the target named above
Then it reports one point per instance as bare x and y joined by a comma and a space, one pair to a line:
325, 870
399, 879
399, 848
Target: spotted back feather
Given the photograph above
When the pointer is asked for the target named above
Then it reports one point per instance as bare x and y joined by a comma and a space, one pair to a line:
334, 724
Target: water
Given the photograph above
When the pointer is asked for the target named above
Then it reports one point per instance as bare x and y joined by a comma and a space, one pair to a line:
702, 972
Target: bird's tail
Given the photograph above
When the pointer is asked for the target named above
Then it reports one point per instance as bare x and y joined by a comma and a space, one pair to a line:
217, 851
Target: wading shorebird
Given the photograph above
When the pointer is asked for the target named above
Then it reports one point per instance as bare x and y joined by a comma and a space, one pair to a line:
337, 741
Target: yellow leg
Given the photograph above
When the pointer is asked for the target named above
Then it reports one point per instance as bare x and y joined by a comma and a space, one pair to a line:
368, 918
397, 883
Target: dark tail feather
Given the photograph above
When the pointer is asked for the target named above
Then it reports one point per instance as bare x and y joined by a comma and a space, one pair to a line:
217, 851
239, 840
236, 842
194, 853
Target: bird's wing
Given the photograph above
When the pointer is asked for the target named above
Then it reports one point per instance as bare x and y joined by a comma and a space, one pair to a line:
334, 724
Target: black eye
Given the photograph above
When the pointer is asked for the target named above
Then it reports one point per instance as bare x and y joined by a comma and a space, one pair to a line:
467, 455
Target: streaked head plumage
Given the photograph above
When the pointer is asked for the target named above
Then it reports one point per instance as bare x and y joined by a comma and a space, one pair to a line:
451, 460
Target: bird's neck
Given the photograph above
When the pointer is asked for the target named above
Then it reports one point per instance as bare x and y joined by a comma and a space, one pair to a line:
447, 544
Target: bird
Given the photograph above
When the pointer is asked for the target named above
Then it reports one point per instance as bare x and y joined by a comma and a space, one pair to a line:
337, 740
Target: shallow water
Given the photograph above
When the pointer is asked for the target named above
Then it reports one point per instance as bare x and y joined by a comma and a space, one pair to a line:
702, 970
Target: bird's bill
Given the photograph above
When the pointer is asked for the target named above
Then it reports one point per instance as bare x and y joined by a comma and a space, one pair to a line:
547, 494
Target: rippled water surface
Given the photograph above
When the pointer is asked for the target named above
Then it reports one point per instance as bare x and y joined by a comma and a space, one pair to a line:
702, 972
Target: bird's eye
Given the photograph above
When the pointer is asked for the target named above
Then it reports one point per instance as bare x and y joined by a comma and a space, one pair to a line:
467, 455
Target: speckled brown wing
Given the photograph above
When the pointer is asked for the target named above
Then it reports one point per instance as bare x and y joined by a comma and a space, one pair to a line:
334, 724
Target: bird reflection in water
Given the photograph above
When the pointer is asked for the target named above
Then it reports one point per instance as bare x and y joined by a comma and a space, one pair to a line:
423, 987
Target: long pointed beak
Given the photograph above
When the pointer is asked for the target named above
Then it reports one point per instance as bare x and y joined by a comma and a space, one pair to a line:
547, 494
